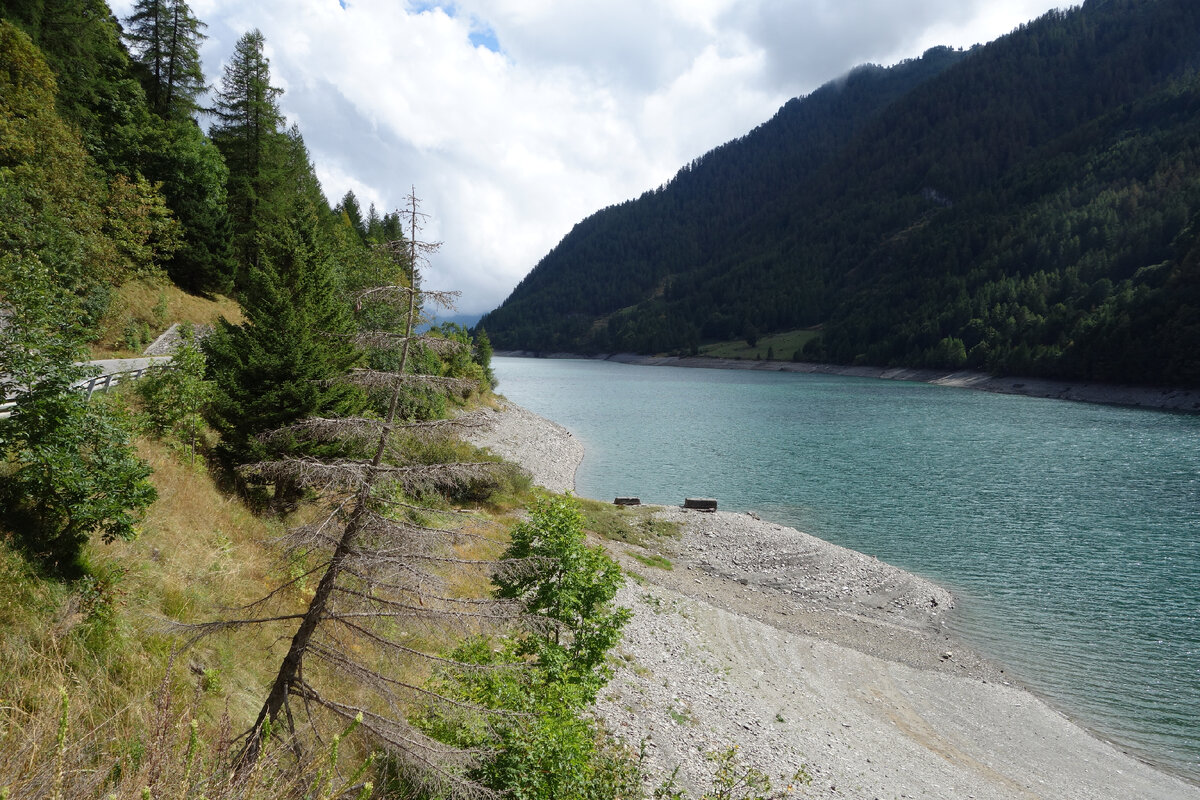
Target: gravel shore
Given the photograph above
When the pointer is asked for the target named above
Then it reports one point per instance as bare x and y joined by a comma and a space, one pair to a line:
546, 449
804, 653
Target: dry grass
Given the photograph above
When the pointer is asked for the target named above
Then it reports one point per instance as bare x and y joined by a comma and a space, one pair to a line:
143, 309
50, 755
112, 643
108, 640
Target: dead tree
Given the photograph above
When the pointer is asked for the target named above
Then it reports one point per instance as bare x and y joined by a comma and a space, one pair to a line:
383, 571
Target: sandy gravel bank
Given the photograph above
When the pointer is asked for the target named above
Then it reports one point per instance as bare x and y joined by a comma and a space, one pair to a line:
805, 653
837, 662
1167, 399
546, 449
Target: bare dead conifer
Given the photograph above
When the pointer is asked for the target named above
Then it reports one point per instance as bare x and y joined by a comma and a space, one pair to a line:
378, 379
438, 344
367, 429
383, 561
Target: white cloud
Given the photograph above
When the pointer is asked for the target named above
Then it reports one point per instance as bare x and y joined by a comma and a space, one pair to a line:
585, 104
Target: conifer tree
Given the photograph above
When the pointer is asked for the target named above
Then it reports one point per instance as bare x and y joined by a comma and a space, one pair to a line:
248, 134
165, 38
275, 368
382, 573
353, 213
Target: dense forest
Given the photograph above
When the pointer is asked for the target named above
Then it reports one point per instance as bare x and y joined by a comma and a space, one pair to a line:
1031, 206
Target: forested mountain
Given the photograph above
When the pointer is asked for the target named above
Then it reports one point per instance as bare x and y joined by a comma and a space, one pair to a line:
1031, 206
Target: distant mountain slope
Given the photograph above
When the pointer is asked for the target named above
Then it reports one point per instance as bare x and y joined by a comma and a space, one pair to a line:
1030, 206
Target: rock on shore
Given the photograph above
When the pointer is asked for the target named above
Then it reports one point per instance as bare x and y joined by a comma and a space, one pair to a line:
804, 653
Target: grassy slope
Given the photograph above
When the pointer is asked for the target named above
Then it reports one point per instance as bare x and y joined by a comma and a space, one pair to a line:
108, 640
780, 346
143, 309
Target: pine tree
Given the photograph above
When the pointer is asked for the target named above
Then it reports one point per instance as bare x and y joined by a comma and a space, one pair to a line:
165, 38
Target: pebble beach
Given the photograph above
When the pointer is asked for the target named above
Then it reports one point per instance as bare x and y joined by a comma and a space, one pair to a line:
805, 654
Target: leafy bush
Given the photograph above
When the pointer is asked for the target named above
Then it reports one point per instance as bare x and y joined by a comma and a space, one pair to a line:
537, 685
73, 471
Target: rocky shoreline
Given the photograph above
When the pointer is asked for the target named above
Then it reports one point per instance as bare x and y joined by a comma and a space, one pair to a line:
1162, 398
803, 653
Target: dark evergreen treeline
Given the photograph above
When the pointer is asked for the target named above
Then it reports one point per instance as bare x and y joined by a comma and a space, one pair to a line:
1031, 206
106, 178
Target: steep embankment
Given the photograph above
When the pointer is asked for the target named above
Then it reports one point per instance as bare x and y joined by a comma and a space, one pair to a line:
805, 653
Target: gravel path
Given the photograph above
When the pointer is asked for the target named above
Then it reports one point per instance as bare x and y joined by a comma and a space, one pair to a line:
804, 653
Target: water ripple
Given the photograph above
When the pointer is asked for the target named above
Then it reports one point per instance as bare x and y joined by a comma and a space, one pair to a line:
1070, 532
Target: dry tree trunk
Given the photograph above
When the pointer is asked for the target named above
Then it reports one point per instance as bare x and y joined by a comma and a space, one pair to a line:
386, 582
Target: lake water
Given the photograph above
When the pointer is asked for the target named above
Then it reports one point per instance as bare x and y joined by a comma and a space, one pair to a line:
1070, 532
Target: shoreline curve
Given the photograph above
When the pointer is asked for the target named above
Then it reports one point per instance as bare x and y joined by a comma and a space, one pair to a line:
802, 652
1151, 397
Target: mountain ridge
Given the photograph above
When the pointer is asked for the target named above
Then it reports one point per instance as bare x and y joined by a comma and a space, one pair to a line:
1030, 206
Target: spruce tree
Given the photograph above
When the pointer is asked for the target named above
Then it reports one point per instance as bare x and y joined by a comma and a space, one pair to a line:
277, 366
249, 136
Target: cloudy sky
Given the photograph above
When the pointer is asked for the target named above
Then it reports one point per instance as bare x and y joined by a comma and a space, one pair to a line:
515, 119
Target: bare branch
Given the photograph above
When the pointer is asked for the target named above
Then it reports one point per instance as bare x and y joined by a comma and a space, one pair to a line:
399, 295
376, 379
388, 339
204, 629
336, 657
435, 767
362, 429
350, 475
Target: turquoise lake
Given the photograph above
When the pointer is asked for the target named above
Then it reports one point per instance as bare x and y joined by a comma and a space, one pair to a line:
1069, 532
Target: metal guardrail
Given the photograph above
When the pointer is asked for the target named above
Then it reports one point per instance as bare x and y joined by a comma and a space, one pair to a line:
102, 383
98, 383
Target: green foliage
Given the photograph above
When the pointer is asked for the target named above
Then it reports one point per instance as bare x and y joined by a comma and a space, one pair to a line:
174, 395
72, 470
165, 37
278, 366
483, 355
50, 200
248, 134
549, 750
571, 587
143, 231
192, 176
97, 91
